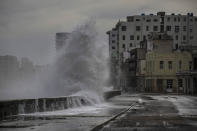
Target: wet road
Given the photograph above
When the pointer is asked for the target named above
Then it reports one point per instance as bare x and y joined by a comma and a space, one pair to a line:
139, 112
158, 112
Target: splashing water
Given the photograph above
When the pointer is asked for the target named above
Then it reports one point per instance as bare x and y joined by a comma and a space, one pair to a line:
80, 69
81, 65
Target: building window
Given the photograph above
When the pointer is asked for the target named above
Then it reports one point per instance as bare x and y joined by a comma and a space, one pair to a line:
144, 37
178, 19
177, 46
123, 46
130, 44
168, 19
196, 19
137, 28
177, 37
124, 28
123, 37
131, 37
184, 37
184, 28
184, 19
147, 28
113, 47
169, 84
170, 65
148, 20
180, 64
191, 30
161, 64
180, 83
191, 37
190, 65
155, 20
130, 19
191, 20
168, 28
113, 41
113, 35
138, 37
137, 20
176, 29
174, 19
155, 28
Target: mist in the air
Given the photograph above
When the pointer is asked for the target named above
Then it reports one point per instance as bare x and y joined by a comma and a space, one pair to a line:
79, 68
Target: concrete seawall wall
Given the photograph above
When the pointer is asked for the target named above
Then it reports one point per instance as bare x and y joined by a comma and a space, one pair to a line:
110, 94
14, 107
11, 108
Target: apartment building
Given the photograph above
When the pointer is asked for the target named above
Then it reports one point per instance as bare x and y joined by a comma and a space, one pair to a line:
165, 68
128, 34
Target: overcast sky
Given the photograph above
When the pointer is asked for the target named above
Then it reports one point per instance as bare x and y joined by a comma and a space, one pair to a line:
28, 27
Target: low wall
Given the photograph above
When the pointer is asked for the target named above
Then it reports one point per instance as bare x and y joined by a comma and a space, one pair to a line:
11, 108
110, 94
14, 107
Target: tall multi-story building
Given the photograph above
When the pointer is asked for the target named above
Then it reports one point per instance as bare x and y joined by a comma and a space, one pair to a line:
61, 38
134, 32
128, 34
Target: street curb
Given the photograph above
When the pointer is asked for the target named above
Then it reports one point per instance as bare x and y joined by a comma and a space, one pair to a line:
98, 127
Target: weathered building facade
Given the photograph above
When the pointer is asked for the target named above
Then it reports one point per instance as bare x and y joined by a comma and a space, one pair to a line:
171, 33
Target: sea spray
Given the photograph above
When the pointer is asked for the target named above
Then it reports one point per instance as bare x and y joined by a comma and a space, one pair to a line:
81, 65
80, 68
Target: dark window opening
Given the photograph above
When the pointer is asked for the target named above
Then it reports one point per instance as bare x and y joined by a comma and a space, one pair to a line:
123, 37
131, 37
170, 65
176, 29
180, 65
161, 64
155, 28
168, 19
184, 37
174, 19
190, 65
144, 37
147, 28
168, 28
177, 37
177, 46
180, 83
137, 20
184, 28
123, 46
148, 20
184, 19
137, 28
138, 37
162, 28
195, 63
124, 28
155, 20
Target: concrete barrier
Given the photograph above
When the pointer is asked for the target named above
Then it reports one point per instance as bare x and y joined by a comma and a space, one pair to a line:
10, 108
110, 94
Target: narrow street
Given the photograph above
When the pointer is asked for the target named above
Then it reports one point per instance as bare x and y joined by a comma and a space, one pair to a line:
121, 113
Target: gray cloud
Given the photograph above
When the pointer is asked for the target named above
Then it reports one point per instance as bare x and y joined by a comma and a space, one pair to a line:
28, 27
